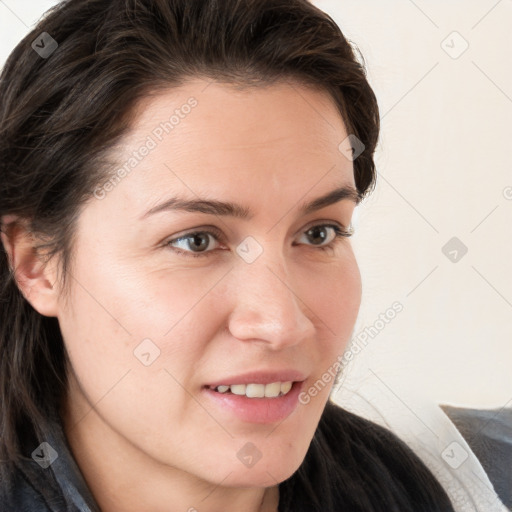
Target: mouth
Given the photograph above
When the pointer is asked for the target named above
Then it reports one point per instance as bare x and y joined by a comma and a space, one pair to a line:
254, 402
255, 390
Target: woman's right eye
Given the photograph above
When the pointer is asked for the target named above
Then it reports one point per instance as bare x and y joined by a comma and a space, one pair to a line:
193, 244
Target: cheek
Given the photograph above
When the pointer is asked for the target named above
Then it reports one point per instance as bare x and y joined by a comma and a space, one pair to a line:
334, 296
337, 306
128, 318
117, 324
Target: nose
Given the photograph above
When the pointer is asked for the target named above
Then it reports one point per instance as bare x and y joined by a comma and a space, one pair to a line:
267, 309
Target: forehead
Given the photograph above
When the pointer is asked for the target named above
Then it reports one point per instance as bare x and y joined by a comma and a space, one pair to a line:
209, 138
222, 116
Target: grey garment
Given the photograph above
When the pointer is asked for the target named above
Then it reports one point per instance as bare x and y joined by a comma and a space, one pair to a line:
489, 435
60, 486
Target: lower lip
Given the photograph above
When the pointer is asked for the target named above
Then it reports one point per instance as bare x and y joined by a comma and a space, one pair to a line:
257, 410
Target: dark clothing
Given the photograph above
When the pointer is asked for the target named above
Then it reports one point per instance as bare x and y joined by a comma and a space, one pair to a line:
352, 465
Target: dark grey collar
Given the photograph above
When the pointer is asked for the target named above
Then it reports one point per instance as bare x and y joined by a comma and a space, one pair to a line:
62, 477
69, 476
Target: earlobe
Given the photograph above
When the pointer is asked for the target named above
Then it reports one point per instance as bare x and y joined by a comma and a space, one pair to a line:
35, 278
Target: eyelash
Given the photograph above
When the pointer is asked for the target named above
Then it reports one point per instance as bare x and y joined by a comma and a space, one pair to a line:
340, 234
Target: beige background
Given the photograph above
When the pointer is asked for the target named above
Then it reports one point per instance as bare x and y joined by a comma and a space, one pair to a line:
444, 171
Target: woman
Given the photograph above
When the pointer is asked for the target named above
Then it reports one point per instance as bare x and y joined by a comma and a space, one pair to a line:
178, 180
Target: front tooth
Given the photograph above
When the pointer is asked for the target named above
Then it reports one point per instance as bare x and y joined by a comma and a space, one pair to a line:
272, 390
285, 387
238, 389
255, 390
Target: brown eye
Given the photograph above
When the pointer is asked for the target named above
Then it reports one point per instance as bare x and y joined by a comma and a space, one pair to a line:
326, 235
318, 234
193, 244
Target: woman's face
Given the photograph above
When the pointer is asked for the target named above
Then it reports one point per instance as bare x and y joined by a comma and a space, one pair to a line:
198, 266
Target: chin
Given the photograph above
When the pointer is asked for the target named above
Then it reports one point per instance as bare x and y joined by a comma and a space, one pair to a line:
257, 478
263, 473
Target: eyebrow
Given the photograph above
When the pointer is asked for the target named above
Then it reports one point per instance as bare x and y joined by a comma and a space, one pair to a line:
213, 207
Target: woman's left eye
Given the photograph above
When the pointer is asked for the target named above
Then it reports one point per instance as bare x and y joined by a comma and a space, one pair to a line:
318, 232
195, 244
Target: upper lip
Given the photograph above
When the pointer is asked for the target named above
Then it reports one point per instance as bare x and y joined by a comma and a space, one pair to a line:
260, 377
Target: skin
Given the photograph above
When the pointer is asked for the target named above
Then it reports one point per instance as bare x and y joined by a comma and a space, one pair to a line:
144, 437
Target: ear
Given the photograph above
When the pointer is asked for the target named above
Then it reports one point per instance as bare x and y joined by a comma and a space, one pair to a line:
35, 278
